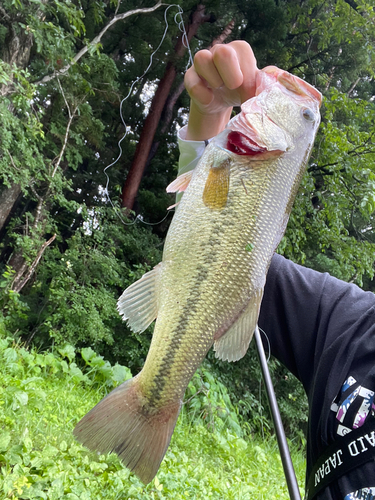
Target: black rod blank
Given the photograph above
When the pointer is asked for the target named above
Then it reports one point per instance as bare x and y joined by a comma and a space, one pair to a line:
286, 459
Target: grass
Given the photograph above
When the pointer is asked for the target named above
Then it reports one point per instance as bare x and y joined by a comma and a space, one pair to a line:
42, 397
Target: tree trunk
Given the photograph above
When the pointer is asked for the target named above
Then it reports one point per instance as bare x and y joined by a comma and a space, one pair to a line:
167, 118
17, 47
8, 198
131, 186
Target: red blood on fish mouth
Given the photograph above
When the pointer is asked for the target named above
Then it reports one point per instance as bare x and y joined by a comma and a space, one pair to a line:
240, 144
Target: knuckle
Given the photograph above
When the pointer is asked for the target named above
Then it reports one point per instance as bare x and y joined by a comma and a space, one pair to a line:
202, 57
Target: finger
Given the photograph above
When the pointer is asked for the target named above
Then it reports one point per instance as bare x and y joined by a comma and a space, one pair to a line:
248, 66
205, 68
197, 87
228, 66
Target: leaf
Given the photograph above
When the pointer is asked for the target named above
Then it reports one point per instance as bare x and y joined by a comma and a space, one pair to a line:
21, 397
50, 451
67, 351
28, 443
10, 354
31, 380
76, 373
158, 485
88, 354
121, 373
5, 438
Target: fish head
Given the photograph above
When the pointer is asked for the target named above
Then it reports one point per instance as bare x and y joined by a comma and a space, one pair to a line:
290, 102
283, 115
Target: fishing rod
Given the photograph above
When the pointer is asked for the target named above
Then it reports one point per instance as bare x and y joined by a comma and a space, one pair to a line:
286, 459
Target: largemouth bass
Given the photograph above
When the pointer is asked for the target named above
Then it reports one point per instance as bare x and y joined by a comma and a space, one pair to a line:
208, 288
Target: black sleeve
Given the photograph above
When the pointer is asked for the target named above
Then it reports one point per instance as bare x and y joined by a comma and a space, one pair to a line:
323, 330
308, 316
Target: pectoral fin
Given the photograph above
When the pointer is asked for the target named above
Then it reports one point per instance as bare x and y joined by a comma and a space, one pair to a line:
180, 184
216, 189
138, 304
233, 345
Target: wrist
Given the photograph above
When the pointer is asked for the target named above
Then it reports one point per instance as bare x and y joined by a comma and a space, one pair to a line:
202, 126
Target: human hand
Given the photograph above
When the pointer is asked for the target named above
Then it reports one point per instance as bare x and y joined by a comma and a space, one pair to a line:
220, 78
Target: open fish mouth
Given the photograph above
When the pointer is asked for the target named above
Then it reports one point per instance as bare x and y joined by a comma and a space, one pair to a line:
240, 144
243, 138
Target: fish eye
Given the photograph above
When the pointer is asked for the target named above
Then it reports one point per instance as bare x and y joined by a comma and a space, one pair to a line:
308, 115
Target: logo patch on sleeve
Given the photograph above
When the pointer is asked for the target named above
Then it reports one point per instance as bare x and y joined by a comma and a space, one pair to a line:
352, 406
362, 494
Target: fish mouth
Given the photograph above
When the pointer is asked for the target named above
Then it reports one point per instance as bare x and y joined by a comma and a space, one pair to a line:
242, 145
243, 139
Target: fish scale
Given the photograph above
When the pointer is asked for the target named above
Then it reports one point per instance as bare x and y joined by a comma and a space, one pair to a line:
208, 288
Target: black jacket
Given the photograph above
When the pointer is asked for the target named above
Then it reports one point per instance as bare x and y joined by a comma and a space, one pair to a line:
323, 330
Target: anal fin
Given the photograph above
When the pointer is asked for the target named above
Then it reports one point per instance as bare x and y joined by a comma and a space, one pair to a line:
139, 302
233, 345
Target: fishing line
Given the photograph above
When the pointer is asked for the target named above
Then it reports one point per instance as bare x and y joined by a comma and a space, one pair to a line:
261, 379
268, 344
181, 26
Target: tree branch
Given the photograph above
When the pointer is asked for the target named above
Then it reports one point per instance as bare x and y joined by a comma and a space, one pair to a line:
352, 4
19, 281
82, 52
353, 86
224, 34
71, 117
323, 168
306, 60
347, 188
5, 15
12, 161
354, 151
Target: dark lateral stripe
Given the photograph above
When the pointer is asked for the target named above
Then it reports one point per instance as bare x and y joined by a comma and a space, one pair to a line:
168, 356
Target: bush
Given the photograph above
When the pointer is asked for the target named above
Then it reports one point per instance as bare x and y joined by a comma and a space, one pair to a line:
73, 296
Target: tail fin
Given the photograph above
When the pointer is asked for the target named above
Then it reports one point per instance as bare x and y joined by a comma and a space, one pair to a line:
121, 423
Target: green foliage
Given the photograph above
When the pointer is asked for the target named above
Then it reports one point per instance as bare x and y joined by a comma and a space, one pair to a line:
43, 395
20, 135
73, 298
207, 399
13, 308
